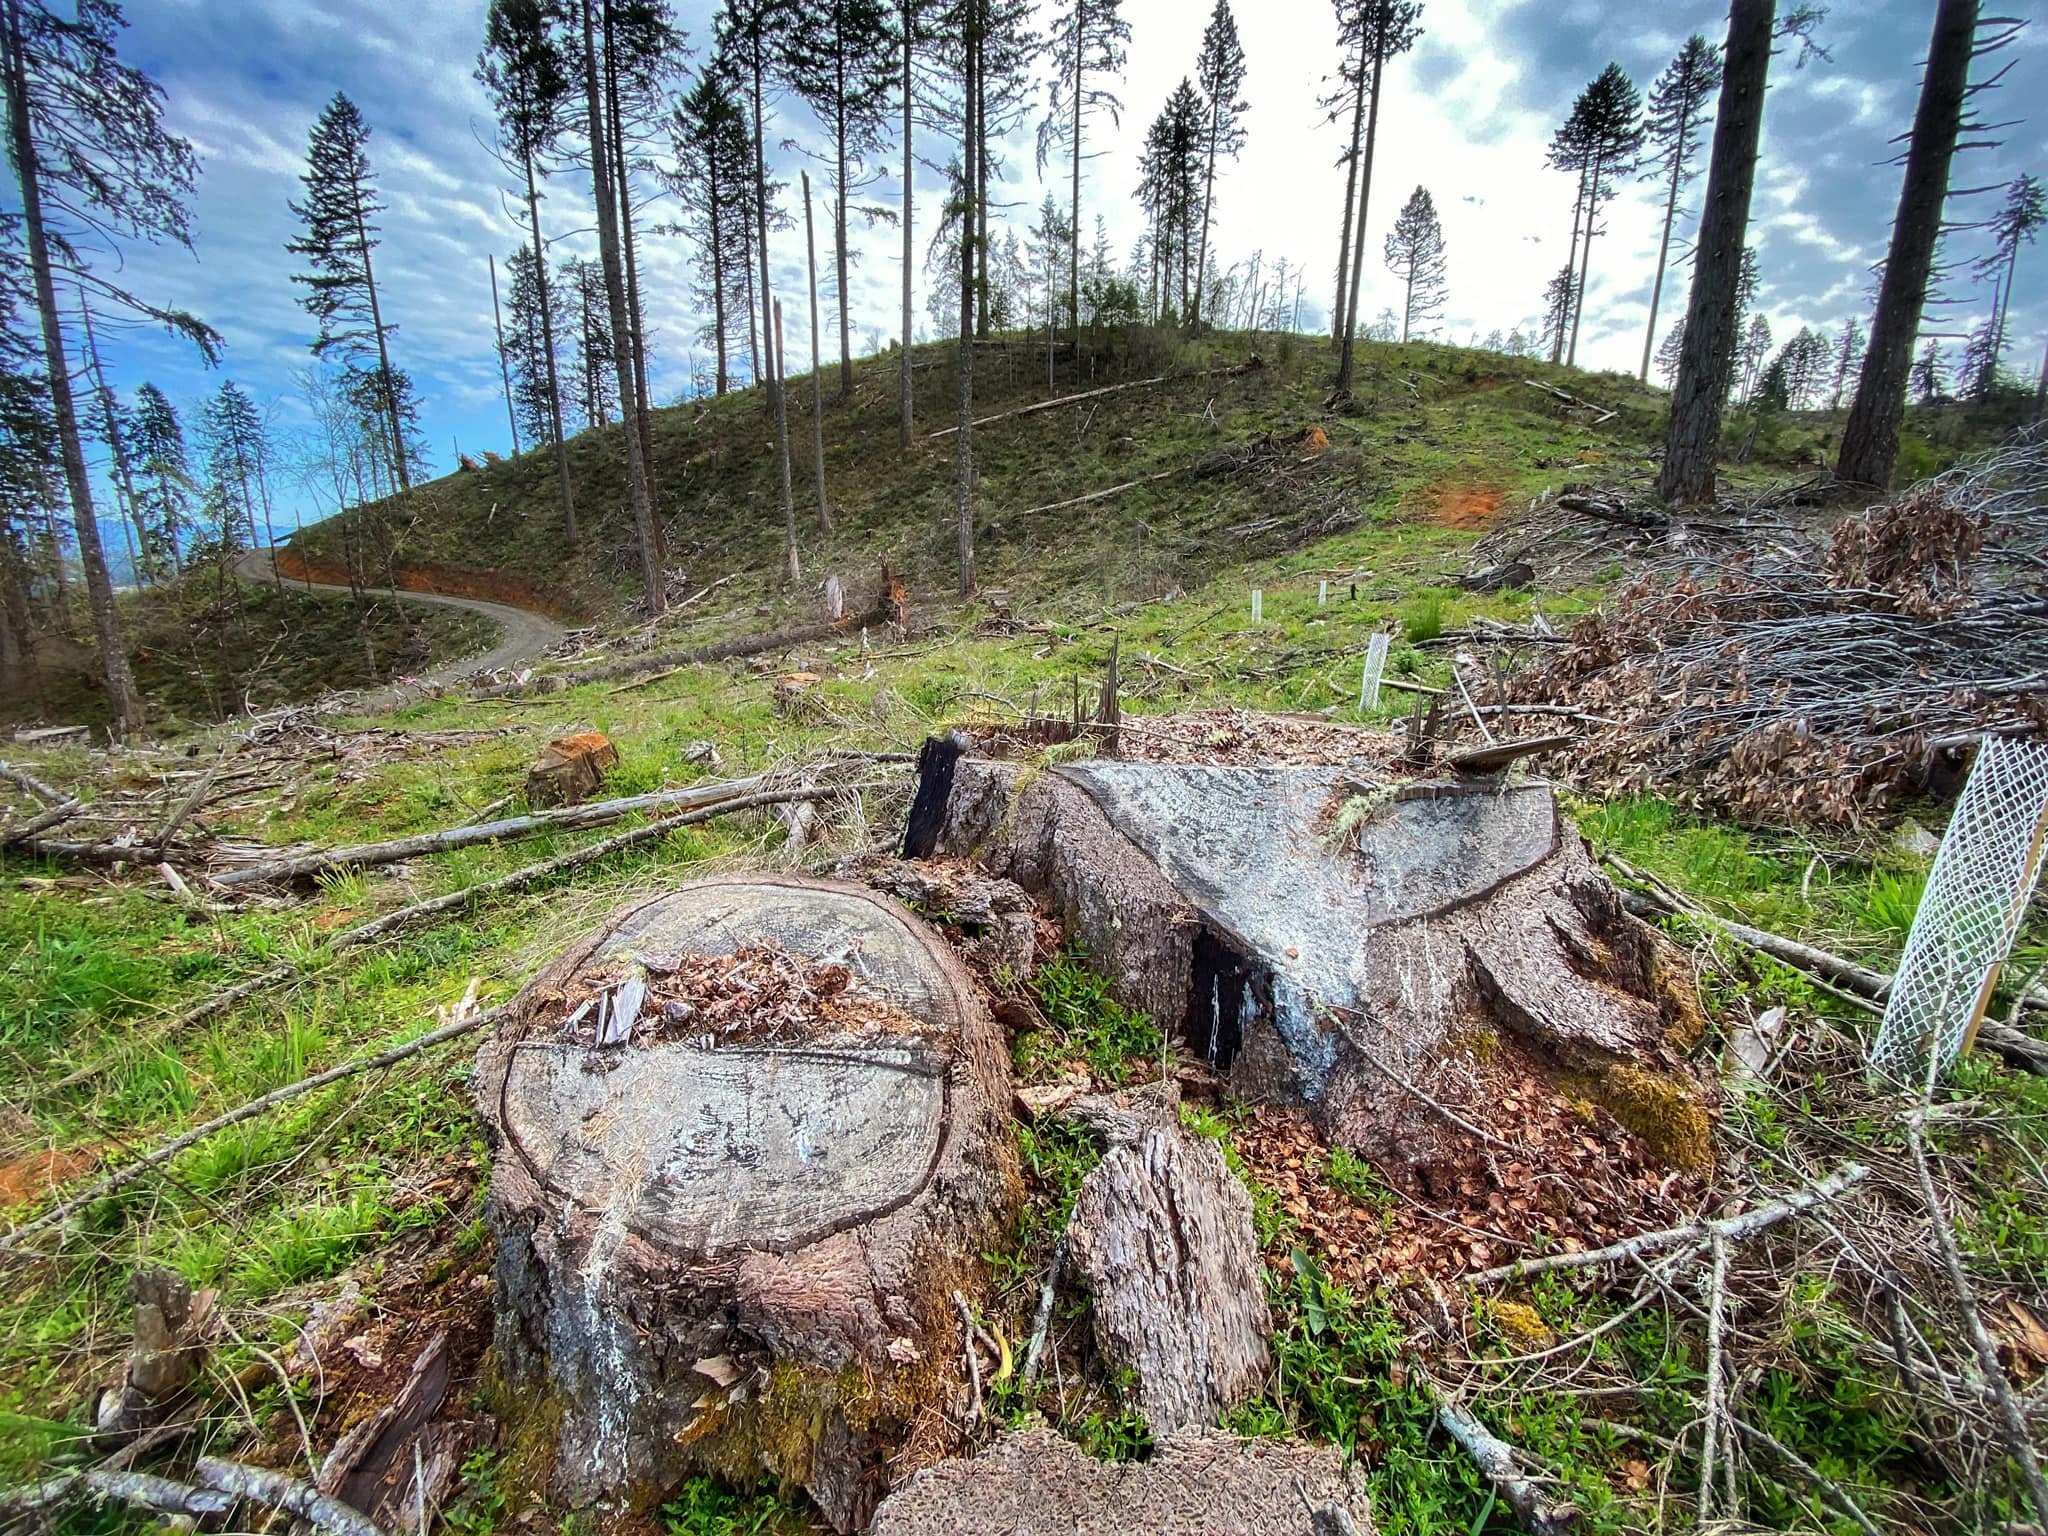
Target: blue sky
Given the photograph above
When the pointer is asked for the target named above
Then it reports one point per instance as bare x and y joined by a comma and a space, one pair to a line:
1467, 114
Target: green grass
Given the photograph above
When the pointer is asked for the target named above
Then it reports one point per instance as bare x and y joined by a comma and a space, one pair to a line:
705, 1507
1086, 1022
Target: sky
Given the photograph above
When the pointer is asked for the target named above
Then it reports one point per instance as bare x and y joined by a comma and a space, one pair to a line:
1468, 114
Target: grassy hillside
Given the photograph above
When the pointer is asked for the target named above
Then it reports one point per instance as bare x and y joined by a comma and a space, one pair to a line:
1428, 423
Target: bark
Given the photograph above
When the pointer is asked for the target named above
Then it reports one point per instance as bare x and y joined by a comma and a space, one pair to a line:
106, 619
748, 1269
1372, 127
1870, 441
636, 315
908, 17
1163, 1231
795, 565
547, 332
638, 486
839, 240
1664, 246
1496, 1459
771, 315
1073, 233
131, 524
323, 1513
1585, 260
817, 372
1708, 352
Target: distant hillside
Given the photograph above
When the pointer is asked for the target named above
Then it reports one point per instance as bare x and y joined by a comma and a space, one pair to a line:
1431, 428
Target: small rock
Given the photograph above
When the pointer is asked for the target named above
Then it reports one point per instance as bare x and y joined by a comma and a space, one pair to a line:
1915, 840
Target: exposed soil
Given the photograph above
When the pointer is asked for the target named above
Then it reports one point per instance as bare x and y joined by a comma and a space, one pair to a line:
497, 587
25, 1179
1462, 504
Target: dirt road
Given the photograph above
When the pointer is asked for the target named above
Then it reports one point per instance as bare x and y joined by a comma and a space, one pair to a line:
524, 635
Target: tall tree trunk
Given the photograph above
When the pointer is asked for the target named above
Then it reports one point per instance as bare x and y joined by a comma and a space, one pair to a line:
1571, 262
978, 207
1372, 128
1585, 261
547, 333
839, 231
400, 470
1870, 442
1664, 247
132, 529
504, 367
909, 19
963, 440
1208, 205
106, 620
1351, 160
1707, 354
817, 374
636, 320
606, 197
1408, 305
780, 362
771, 323
1074, 231
717, 279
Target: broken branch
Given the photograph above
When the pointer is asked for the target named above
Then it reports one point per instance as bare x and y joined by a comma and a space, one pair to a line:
1496, 1459
281, 1491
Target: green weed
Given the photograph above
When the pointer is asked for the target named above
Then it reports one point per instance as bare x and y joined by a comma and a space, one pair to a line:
706, 1507
1117, 1042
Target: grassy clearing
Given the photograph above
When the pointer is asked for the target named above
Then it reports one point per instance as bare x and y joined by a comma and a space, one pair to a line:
272, 1213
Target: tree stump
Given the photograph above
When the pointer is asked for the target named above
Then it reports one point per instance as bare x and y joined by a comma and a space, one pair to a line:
570, 769
1318, 932
729, 1244
1199, 1482
1162, 1229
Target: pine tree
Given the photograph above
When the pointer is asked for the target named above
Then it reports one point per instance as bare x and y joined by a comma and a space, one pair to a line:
714, 171
1219, 76
607, 192
915, 30
526, 71
1170, 191
1415, 255
1756, 346
164, 495
2017, 222
1599, 141
591, 329
232, 435
1675, 124
1376, 30
339, 213
1929, 374
961, 212
840, 59
529, 341
1706, 358
1870, 440
95, 168
1088, 39
1560, 297
1667, 354
1848, 356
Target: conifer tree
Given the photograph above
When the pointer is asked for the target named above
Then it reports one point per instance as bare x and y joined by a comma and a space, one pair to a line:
1848, 355
1675, 125
591, 329
1756, 346
1219, 76
1170, 192
1929, 376
1667, 354
95, 168
529, 339
1870, 439
840, 59
526, 71
1415, 255
339, 213
2017, 223
164, 495
1088, 40
714, 171
232, 432
1377, 30
1599, 141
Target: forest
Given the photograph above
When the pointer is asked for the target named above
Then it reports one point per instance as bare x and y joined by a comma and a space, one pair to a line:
1173, 885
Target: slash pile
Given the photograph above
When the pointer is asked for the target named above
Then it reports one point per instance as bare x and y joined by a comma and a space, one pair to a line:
1814, 684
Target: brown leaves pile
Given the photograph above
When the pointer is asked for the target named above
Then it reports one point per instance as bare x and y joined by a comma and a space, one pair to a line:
1576, 1180
760, 994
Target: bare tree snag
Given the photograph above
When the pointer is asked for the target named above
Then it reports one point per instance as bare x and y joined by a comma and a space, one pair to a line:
1198, 1482
1304, 963
173, 1324
735, 1253
1163, 1230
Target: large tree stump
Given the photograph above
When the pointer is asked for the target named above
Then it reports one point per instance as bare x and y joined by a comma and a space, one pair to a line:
1197, 1483
1319, 932
1163, 1231
734, 1249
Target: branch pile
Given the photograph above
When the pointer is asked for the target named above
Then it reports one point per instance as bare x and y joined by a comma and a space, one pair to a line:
1813, 684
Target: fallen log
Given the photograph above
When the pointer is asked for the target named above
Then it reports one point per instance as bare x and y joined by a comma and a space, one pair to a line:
1730, 1229
120, 1178
1496, 1459
280, 1490
573, 818
139, 1489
